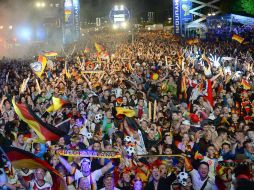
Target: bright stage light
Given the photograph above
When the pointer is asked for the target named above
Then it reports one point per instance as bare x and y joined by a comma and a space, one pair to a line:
10, 27
1, 27
121, 7
116, 8
38, 4
43, 4
124, 25
24, 33
115, 26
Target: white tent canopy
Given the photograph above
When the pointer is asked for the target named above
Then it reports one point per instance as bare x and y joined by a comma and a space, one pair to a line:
196, 25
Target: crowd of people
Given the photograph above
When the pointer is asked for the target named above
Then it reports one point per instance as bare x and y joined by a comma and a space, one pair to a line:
193, 127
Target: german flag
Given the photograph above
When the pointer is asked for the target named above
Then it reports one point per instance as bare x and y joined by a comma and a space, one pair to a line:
87, 50
39, 66
66, 68
193, 41
198, 156
57, 104
44, 131
99, 48
50, 54
124, 111
245, 84
23, 159
238, 38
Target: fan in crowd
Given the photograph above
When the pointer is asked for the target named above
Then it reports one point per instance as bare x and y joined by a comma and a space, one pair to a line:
179, 115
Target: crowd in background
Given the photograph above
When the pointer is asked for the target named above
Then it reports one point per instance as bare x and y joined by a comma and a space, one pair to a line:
201, 100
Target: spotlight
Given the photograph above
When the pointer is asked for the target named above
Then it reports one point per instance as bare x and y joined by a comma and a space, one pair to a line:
116, 8
115, 26
124, 25
121, 7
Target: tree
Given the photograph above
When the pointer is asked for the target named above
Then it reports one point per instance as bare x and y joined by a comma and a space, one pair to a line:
248, 6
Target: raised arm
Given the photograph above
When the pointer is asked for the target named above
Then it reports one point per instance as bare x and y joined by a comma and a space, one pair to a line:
65, 163
106, 168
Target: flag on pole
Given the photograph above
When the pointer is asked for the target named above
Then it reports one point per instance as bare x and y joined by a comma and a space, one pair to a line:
44, 131
66, 68
245, 84
99, 48
22, 159
39, 66
238, 38
124, 111
50, 54
57, 104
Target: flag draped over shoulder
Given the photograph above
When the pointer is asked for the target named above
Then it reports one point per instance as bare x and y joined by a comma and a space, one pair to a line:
39, 66
238, 38
57, 104
99, 48
44, 131
23, 159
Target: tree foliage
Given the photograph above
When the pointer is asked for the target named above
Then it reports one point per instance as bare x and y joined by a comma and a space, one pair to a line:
248, 6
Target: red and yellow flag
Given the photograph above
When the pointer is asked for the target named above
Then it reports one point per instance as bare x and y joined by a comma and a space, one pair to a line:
87, 50
99, 48
245, 84
23, 159
124, 111
44, 131
50, 54
238, 38
198, 156
66, 68
57, 104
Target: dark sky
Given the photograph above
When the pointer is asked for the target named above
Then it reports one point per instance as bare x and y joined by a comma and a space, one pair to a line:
98, 8
90, 9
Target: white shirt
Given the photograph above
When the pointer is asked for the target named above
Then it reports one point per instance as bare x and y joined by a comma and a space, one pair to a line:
198, 183
95, 176
34, 186
112, 189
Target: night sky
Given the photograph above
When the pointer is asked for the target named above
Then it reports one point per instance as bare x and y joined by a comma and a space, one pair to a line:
90, 9
99, 8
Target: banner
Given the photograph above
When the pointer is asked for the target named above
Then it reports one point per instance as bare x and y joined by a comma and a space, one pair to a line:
89, 153
181, 15
71, 21
176, 16
186, 16
76, 14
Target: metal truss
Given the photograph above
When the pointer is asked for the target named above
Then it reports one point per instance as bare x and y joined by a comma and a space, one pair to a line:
202, 17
